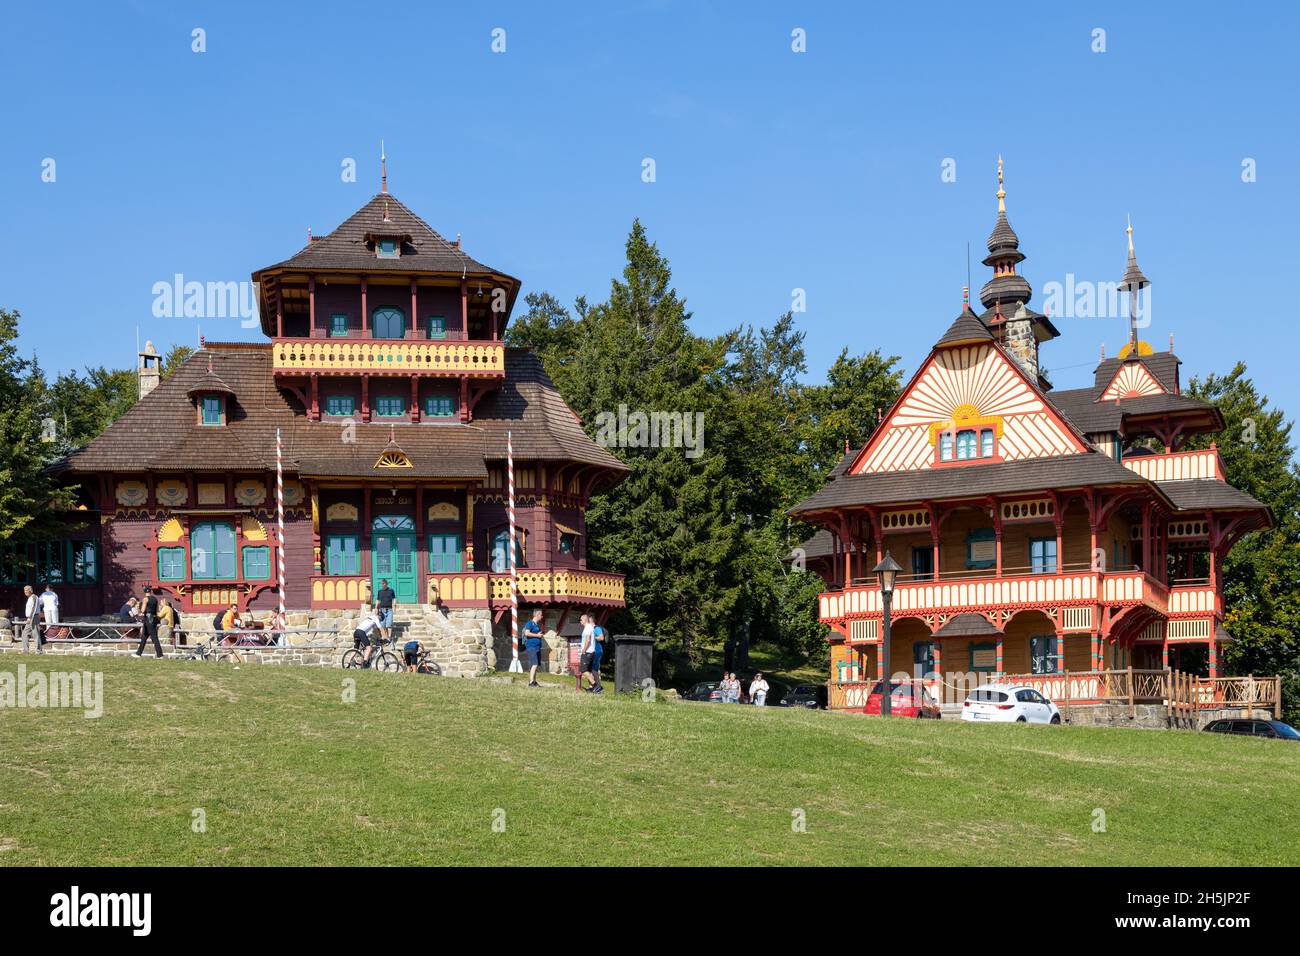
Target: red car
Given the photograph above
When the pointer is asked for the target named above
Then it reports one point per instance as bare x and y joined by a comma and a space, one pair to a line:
906, 699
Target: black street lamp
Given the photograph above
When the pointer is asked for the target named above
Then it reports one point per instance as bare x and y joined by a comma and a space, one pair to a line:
886, 573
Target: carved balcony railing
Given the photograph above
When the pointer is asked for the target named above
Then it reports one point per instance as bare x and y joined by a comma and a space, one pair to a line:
1178, 465
1022, 591
387, 357
544, 585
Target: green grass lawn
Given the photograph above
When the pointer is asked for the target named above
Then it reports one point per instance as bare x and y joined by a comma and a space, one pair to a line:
414, 770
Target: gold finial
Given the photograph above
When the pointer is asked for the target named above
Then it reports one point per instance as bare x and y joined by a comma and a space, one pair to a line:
1002, 193
383, 169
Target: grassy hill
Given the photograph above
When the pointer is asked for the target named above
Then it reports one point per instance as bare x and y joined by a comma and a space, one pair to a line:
417, 768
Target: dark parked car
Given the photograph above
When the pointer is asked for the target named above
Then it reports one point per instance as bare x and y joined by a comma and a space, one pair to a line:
708, 691
1254, 728
812, 696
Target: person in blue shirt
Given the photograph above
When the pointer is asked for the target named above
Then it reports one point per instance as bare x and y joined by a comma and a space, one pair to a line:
597, 652
533, 645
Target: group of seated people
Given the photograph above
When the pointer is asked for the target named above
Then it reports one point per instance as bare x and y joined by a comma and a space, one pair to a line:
227, 623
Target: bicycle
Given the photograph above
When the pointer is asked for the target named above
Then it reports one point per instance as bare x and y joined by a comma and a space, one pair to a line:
425, 666
380, 660
206, 652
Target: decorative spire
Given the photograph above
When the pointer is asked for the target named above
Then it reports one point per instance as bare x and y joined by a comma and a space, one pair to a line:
1133, 282
965, 297
383, 171
1004, 254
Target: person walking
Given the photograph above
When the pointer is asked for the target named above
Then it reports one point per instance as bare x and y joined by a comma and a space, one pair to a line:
49, 609
585, 653
758, 690
31, 631
533, 645
149, 618
384, 602
597, 652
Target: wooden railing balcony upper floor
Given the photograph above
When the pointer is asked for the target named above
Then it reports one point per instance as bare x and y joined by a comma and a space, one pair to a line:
955, 594
1178, 465
425, 357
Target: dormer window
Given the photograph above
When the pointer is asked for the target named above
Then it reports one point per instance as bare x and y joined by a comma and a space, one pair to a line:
966, 444
212, 410
387, 248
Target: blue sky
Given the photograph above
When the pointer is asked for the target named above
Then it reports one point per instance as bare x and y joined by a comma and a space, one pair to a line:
774, 170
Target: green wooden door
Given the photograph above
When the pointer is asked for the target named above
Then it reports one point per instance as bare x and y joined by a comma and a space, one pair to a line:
393, 559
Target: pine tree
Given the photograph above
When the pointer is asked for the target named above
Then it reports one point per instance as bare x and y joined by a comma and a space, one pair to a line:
1261, 597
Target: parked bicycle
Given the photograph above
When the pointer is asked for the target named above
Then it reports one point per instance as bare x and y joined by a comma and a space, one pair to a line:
206, 652
425, 666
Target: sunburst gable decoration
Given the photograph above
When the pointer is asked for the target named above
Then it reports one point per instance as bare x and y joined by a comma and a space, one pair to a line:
393, 458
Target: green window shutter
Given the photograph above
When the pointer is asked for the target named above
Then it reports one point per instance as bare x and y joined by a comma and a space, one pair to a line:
984, 657
439, 406
342, 555
390, 406
212, 551
171, 564
437, 327
980, 549
257, 563
339, 325
212, 410
444, 553
340, 405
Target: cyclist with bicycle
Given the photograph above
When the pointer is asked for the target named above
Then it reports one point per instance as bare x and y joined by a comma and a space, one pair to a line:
368, 634
413, 656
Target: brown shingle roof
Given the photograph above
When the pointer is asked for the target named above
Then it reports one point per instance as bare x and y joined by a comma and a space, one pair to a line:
969, 481
967, 625
161, 431
965, 328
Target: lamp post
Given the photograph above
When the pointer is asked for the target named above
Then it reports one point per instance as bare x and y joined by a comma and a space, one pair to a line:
886, 573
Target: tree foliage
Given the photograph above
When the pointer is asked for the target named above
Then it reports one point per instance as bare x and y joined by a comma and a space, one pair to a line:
1262, 573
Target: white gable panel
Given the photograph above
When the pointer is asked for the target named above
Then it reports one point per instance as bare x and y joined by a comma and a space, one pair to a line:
978, 379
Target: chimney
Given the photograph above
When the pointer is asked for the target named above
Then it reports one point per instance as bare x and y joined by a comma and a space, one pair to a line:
1021, 342
148, 369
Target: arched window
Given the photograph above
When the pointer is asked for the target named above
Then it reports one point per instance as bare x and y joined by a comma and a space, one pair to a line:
501, 550
389, 322
965, 445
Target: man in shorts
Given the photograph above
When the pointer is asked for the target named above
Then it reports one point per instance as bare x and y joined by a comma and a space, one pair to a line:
412, 651
384, 601
586, 652
368, 634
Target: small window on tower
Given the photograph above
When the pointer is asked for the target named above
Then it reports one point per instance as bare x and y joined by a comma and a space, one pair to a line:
213, 410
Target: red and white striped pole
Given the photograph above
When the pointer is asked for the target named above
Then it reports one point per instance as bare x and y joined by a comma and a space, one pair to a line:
279, 514
515, 666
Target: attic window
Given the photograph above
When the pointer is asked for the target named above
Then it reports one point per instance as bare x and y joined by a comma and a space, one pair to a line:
212, 410
387, 249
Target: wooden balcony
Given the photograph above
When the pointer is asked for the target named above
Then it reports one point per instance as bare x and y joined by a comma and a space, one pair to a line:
337, 590
305, 356
536, 586
1070, 588
1178, 465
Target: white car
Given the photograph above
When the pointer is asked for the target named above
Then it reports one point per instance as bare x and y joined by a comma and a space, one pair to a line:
1009, 703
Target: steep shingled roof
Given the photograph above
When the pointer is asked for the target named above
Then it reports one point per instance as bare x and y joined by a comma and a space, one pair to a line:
346, 248
161, 431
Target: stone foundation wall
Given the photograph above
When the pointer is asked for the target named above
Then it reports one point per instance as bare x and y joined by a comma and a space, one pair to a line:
461, 646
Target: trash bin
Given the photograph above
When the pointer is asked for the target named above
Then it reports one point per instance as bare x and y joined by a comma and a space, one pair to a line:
633, 661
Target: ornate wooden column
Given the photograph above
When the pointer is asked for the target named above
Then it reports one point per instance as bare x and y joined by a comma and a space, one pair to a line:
415, 399
415, 322
464, 308
469, 528
365, 316
311, 306
365, 398
279, 312
314, 410
315, 528
1058, 521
